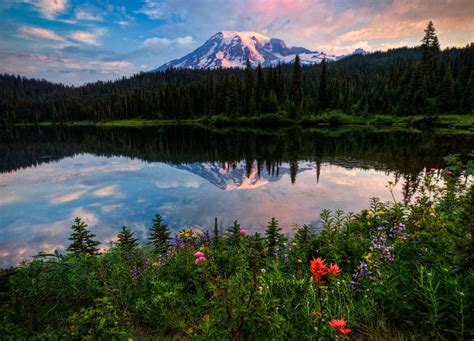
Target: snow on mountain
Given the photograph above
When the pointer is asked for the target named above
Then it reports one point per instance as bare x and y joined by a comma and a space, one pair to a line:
232, 49
234, 177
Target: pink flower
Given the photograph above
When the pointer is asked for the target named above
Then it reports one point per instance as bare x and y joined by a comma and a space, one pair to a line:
199, 254
433, 170
243, 232
199, 260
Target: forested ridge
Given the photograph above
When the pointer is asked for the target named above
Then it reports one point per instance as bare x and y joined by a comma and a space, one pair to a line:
405, 81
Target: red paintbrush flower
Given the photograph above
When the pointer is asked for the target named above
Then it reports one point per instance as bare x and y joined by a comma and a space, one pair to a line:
339, 326
318, 269
334, 270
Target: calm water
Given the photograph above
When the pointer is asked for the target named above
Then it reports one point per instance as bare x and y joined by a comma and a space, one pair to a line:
116, 176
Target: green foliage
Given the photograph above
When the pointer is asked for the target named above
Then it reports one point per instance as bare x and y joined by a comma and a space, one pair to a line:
126, 241
405, 275
275, 239
160, 235
82, 239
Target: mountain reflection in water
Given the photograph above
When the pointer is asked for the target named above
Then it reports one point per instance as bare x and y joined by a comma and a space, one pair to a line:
122, 176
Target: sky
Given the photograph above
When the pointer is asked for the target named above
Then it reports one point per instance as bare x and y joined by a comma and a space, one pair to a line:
75, 41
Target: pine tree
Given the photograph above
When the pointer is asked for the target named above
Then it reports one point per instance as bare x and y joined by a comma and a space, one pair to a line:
126, 240
160, 235
430, 50
468, 96
259, 89
273, 236
447, 92
323, 92
216, 232
297, 83
303, 234
248, 88
81, 238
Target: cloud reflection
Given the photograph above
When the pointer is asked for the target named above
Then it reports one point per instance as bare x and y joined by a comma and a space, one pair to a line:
130, 192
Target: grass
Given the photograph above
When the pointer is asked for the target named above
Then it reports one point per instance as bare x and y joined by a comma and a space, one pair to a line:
327, 119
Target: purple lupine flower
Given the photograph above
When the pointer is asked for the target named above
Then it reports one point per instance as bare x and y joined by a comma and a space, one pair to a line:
136, 272
285, 259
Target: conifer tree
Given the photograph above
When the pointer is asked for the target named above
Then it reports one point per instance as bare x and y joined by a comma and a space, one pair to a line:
82, 240
468, 99
273, 236
323, 92
303, 234
259, 89
447, 92
430, 49
248, 88
216, 232
126, 240
160, 235
297, 83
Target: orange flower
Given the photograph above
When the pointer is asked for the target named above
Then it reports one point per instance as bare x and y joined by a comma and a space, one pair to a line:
318, 269
334, 270
339, 326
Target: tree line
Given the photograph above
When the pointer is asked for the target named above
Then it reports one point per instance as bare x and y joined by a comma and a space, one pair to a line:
405, 81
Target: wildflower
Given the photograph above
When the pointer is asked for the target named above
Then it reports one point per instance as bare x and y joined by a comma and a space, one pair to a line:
368, 257
370, 213
334, 270
299, 261
339, 326
379, 213
200, 260
432, 170
449, 173
318, 269
199, 254
285, 259
243, 232
263, 271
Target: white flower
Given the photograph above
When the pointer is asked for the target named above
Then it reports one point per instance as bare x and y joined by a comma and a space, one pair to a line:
263, 271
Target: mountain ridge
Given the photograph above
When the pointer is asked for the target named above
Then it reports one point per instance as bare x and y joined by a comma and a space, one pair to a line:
227, 49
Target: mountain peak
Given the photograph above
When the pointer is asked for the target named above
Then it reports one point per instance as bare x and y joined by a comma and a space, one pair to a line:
246, 36
232, 49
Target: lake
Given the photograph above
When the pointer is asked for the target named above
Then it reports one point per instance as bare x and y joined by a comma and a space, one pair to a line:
123, 176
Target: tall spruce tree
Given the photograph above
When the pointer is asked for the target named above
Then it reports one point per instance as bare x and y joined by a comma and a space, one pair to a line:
126, 240
216, 232
274, 237
248, 89
468, 98
82, 240
430, 50
160, 235
323, 92
297, 83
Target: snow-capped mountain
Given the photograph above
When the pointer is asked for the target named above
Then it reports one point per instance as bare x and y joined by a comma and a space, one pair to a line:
232, 49
234, 177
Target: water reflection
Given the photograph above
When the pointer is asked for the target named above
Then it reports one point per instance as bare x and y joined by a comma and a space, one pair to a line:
115, 177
